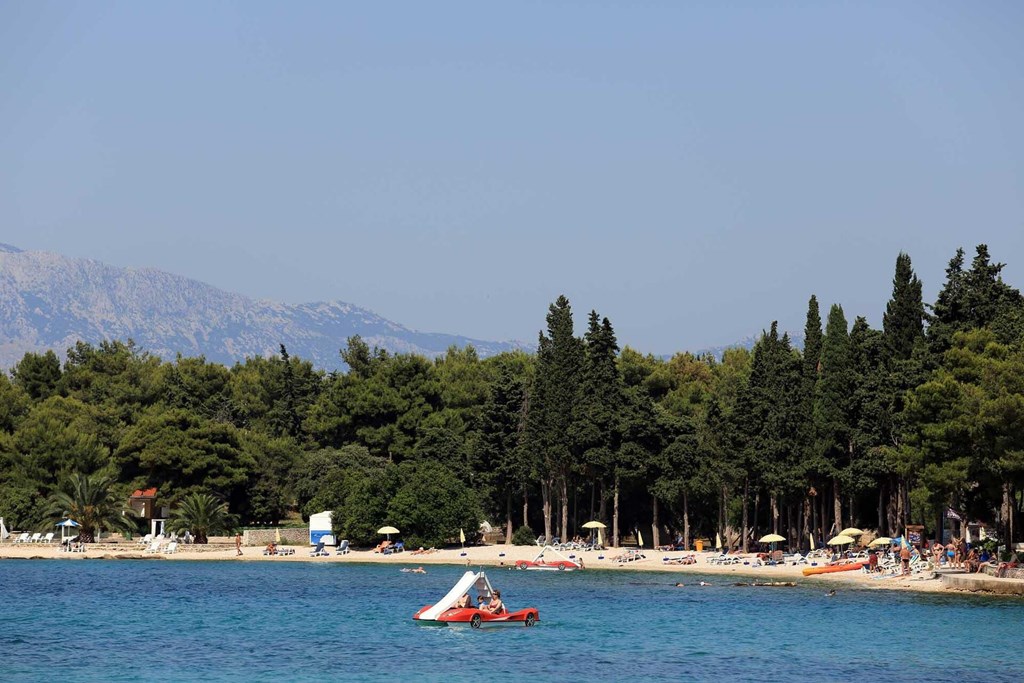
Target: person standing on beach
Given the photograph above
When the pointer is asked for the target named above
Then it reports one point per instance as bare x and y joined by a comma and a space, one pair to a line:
905, 558
238, 543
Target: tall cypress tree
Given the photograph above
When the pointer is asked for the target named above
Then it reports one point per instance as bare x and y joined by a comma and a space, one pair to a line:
556, 390
903, 321
833, 403
597, 426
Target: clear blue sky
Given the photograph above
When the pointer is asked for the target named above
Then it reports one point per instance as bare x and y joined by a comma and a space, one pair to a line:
691, 170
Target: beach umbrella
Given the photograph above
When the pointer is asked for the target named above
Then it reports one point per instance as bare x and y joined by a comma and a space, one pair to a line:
4, 534
639, 539
462, 537
967, 534
594, 525
64, 526
388, 530
771, 538
840, 540
277, 536
881, 540
852, 532
718, 541
811, 536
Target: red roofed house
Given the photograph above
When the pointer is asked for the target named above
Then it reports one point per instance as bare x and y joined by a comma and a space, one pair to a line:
143, 501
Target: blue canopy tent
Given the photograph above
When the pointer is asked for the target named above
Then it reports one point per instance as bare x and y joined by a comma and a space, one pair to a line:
64, 526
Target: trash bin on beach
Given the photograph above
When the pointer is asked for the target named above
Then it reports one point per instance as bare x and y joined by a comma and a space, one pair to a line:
699, 543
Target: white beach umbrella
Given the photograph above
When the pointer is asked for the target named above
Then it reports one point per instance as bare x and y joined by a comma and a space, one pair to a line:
639, 539
840, 540
462, 537
967, 534
718, 541
4, 534
811, 537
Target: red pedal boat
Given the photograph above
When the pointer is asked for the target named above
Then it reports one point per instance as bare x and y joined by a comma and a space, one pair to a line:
559, 563
445, 613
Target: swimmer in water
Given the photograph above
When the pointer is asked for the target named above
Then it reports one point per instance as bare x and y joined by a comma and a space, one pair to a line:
831, 593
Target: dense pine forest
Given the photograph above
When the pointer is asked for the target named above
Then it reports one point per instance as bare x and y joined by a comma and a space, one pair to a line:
862, 427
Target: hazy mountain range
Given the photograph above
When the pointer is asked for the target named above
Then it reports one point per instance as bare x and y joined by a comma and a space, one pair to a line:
49, 301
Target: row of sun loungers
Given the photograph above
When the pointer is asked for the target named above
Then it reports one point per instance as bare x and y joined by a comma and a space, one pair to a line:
34, 538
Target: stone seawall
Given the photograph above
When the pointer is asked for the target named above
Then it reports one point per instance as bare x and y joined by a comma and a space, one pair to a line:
983, 583
289, 536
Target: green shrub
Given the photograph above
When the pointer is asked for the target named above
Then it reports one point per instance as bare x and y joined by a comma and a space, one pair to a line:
524, 536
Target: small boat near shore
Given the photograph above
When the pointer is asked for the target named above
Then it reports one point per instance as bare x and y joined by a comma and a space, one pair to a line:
832, 568
560, 563
446, 613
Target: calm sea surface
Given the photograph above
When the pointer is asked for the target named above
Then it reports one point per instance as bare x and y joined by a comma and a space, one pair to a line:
260, 621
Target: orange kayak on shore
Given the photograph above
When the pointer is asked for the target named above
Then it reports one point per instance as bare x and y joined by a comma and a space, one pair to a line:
830, 568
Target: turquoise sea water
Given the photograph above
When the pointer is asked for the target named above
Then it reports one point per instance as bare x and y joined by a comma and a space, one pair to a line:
261, 621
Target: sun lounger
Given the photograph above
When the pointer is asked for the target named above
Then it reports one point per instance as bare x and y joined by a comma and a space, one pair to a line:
154, 547
319, 551
22, 539
688, 559
78, 548
630, 555
35, 537
48, 538
146, 540
171, 548
342, 549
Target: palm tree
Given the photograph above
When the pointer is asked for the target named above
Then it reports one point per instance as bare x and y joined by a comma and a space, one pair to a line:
202, 514
88, 499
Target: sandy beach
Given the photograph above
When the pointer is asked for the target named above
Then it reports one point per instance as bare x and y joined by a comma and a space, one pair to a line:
501, 556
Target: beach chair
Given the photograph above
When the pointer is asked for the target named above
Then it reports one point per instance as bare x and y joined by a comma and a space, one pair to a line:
154, 547
35, 537
319, 551
22, 539
146, 540
342, 548
48, 538
171, 548
540, 541
284, 551
78, 548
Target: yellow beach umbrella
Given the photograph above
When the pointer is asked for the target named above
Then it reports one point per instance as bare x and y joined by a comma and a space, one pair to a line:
852, 532
277, 536
811, 537
771, 538
594, 525
462, 537
840, 540
388, 530
639, 539
718, 541
881, 540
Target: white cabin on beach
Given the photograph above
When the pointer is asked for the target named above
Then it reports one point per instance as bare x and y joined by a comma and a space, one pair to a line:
320, 528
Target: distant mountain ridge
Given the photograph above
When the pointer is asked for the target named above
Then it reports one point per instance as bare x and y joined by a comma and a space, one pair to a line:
796, 339
49, 301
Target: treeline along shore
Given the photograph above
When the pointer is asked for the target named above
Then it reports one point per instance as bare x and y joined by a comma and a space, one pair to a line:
862, 427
